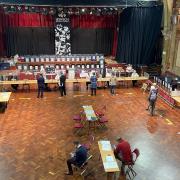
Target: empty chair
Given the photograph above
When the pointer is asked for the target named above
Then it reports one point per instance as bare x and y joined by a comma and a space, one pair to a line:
130, 170
89, 143
101, 112
102, 121
78, 127
77, 117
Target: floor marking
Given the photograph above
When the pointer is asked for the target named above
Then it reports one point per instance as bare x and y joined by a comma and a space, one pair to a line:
169, 122
78, 95
129, 93
52, 173
25, 98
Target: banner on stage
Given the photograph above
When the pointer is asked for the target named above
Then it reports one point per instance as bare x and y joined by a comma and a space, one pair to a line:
62, 35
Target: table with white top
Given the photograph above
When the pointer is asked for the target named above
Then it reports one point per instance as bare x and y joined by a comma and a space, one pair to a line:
107, 155
4, 99
91, 117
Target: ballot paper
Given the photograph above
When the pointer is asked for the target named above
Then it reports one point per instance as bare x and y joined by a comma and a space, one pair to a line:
109, 158
106, 147
110, 165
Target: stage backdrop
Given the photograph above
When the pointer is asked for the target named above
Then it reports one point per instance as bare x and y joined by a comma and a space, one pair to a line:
62, 34
138, 34
94, 34
28, 27
30, 40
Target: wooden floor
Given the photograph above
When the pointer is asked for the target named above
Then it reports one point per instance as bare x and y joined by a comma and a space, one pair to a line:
36, 135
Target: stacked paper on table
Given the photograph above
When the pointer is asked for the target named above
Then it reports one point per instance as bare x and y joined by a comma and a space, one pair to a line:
110, 165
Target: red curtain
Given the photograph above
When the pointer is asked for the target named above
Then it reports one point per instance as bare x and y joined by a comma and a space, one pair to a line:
93, 21
21, 20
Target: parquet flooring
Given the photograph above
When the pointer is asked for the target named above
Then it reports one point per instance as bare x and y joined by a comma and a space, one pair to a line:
36, 135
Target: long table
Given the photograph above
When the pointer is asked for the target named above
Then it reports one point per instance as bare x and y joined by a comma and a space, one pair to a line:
107, 155
4, 96
4, 99
79, 80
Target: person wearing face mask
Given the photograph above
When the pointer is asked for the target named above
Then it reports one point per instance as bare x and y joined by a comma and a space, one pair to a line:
78, 157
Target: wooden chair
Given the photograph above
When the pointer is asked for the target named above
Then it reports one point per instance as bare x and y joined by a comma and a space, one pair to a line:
144, 87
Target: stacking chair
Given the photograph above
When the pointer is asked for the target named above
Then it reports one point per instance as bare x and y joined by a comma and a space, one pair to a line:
130, 170
101, 112
144, 87
83, 168
102, 121
89, 143
78, 127
77, 117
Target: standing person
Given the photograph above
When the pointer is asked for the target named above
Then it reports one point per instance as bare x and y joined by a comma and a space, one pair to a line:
112, 83
40, 82
93, 81
123, 152
77, 158
152, 98
62, 84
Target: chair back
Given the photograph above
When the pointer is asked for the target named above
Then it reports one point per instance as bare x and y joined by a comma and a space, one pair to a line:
137, 153
89, 143
86, 162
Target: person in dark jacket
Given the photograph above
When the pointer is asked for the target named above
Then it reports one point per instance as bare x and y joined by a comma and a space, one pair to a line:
40, 82
77, 158
62, 84
93, 81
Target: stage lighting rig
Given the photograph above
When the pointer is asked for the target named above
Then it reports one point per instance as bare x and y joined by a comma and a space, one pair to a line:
70, 11
6, 9
12, 9
19, 9
44, 11
52, 11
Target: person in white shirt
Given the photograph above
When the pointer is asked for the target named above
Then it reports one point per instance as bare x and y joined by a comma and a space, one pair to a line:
134, 74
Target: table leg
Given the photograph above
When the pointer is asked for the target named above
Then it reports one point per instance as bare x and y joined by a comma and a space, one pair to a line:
112, 176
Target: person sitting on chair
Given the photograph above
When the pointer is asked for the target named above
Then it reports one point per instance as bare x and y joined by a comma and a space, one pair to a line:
77, 158
123, 152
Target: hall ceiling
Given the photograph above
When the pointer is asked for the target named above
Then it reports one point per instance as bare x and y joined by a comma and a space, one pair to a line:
80, 2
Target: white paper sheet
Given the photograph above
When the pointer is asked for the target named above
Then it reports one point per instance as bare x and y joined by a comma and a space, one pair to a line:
105, 142
110, 165
109, 159
106, 147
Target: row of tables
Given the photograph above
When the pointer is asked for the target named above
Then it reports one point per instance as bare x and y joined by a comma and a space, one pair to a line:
107, 154
79, 80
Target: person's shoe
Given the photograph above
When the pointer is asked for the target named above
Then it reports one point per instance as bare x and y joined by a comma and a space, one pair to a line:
69, 173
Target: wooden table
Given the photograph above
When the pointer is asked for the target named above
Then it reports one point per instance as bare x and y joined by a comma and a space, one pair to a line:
4, 99
79, 80
91, 117
177, 99
4, 96
107, 155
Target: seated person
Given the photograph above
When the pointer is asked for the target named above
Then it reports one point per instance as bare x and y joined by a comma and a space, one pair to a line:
134, 74
129, 68
78, 157
123, 153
